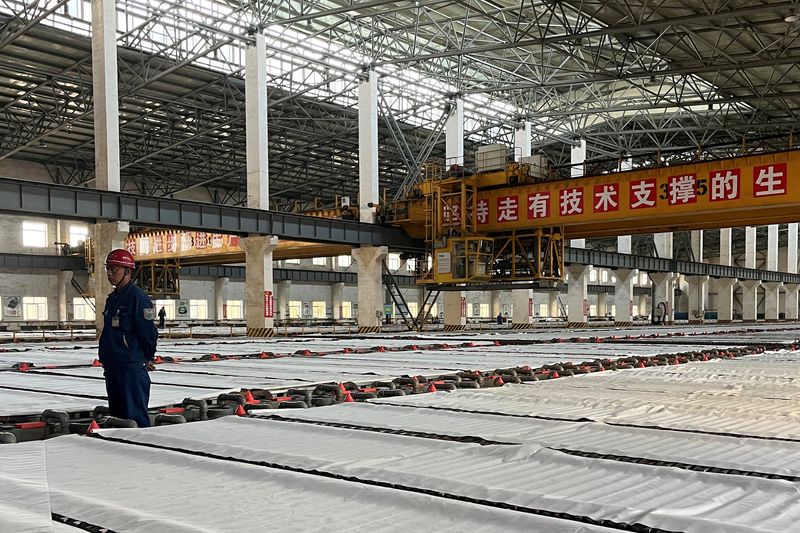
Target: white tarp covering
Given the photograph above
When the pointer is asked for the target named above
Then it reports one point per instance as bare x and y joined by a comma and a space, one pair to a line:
24, 494
529, 476
130, 488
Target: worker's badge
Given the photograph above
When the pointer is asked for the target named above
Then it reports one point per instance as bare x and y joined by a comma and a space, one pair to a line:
149, 313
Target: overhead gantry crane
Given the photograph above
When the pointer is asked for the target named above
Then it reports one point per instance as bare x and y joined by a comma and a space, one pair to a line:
505, 225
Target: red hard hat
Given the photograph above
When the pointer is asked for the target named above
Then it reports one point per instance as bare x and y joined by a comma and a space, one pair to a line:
121, 258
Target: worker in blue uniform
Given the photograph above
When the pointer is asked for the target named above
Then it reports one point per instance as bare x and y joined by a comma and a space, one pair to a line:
127, 342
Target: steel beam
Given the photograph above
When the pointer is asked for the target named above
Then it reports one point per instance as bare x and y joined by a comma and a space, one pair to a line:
60, 201
285, 274
28, 262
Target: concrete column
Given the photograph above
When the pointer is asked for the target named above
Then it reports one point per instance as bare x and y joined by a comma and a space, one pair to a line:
368, 191
107, 236
698, 285
370, 286
522, 306
772, 290
791, 301
336, 300
454, 134
602, 304
663, 242
64, 279
664, 284
577, 160
624, 244
522, 139
495, 306
256, 127
259, 284
697, 245
553, 309
749, 299
455, 313
220, 297
643, 310
106, 97
749, 287
725, 247
578, 294
791, 248
282, 289
725, 299
623, 295
771, 304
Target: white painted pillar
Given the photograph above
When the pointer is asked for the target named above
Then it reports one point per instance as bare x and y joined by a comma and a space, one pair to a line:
725, 257
697, 245
259, 298
698, 286
791, 301
220, 297
725, 299
370, 284
553, 309
771, 294
522, 306
522, 140
454, 134
602, 304
664, 285
336, 300
643, 310
282, 290
107, 236
624, 244
750, 287
791, 289
623, 295
256, 127
664, 247
368, 192
455, 309
64, 279
105, 95
455, 316
578, 294
495, 306
772, 290
577, 161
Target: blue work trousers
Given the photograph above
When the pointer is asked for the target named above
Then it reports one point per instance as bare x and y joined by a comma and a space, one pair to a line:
128, 391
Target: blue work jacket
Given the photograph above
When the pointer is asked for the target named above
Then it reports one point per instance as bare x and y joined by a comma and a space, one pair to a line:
129, 335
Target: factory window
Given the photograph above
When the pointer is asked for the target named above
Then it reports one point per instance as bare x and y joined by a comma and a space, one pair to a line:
484, 311
77, 234
393, 261
344, 261
292, 262
319, 261
593, 274
169, 308
234, 309
198, 309
604, 276
294, 308
413, 308
543, 310
34, 234
643, 278
81, 309
34, 308
347, 308
411, 264
319, 309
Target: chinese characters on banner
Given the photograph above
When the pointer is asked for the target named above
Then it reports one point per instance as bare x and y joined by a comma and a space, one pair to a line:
175, 242
682, 189
269, 304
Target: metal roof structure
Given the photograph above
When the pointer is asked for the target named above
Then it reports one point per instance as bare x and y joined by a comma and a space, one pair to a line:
669, 81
